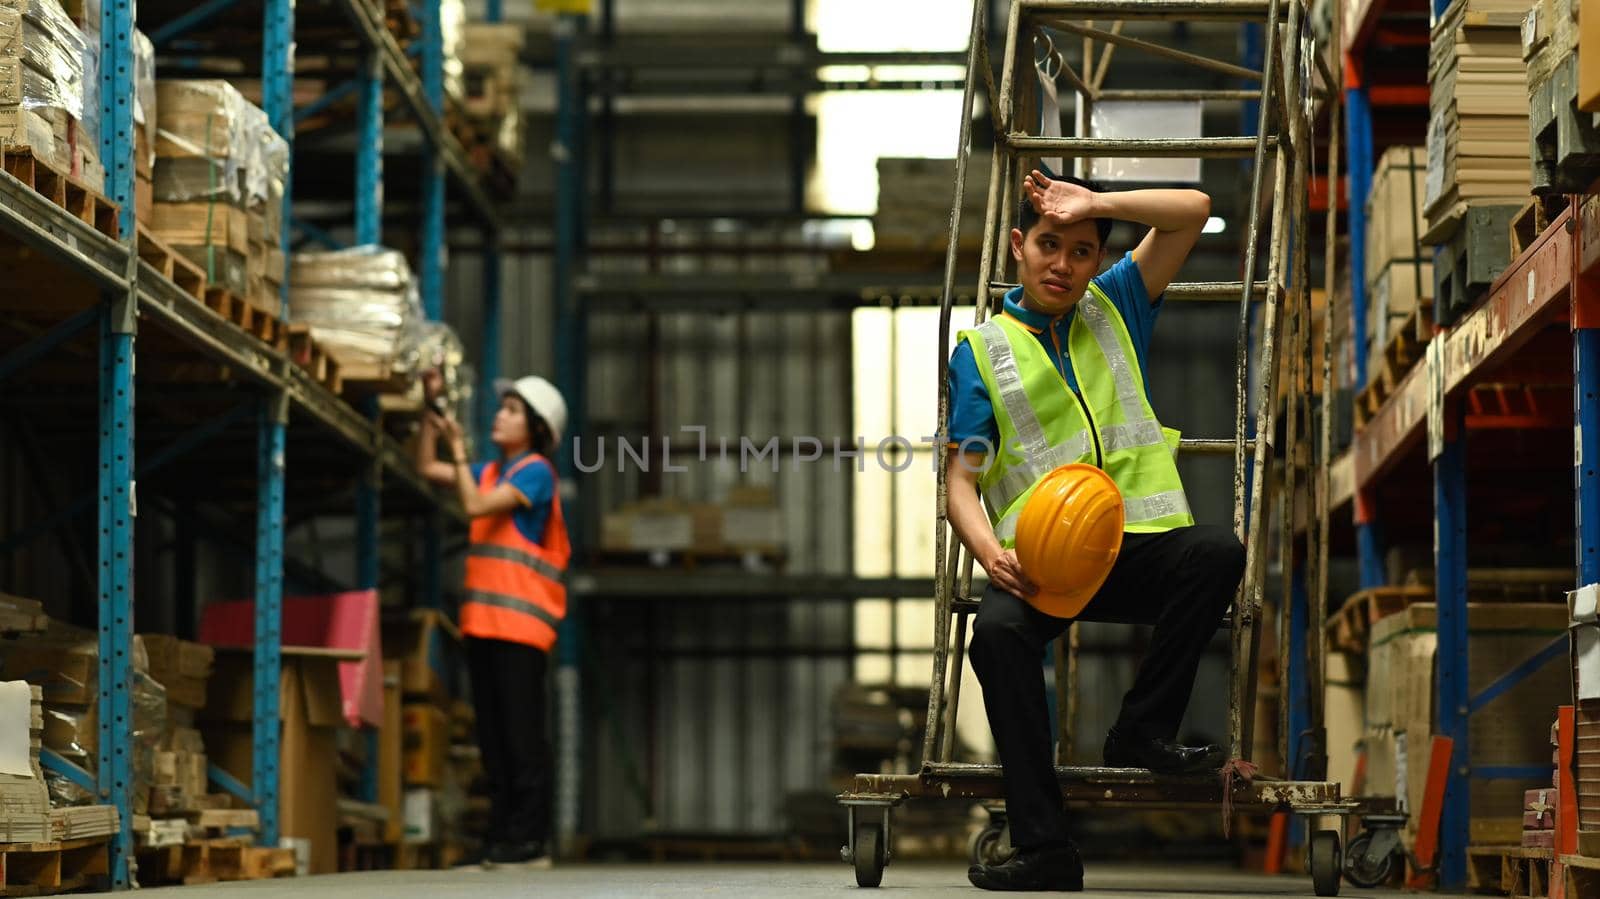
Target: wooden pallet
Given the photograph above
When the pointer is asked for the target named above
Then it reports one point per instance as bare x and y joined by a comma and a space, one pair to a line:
1349, 626
1582, 874
305, 352
78, 199
248, 317
1516, 871
38, 869
1406, 347
190, 278
213, 860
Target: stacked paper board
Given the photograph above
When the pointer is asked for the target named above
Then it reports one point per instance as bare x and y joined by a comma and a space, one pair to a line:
1478, 113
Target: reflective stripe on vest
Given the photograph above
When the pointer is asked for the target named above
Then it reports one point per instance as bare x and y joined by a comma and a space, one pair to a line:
516, 604
1135, 449
1039, 458
521, 557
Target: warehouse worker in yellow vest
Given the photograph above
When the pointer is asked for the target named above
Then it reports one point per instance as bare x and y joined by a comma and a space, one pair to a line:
1059, 377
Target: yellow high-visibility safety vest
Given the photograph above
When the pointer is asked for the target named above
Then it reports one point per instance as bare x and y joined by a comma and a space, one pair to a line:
1043, 424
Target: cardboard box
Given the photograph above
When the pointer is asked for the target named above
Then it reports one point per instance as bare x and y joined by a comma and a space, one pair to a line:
1394, 295
1513, 729
182, 666
198, 118
67, 671
1344, 715
310, 710
25, 127
201, 225
144, 198
421, 816
423, 642
1589, 63
1395, 220
391, 743
427, 744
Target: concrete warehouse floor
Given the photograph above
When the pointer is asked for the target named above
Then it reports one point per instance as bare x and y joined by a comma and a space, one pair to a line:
1105, 880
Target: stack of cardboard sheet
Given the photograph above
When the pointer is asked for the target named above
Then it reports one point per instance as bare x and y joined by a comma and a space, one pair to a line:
1478, 113
24, 801
21, 616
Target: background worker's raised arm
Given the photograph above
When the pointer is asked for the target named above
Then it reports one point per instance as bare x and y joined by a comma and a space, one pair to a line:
971, 523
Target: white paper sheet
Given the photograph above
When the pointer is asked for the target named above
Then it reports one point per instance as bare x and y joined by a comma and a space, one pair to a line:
16, 711
1584, 604
1587, 638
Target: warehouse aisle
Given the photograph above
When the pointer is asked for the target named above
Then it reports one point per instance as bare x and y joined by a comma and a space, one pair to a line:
1122, 881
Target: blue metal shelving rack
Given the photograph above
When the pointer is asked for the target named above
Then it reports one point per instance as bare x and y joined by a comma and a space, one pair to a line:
1550, 283
136, 296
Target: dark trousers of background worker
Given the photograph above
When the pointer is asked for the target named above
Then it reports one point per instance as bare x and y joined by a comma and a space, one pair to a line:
1180, 581
508, 698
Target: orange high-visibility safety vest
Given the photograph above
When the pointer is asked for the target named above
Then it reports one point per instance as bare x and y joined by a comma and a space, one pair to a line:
513, 587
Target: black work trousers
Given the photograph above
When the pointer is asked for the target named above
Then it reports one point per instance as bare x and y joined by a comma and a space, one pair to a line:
1180, 581
508, 697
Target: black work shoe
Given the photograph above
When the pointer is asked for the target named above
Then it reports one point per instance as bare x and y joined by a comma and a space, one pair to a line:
1161, 756
526, 855
477, 860
1056, 868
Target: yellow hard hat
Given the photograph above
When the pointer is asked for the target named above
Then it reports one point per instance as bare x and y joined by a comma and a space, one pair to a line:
1068, 537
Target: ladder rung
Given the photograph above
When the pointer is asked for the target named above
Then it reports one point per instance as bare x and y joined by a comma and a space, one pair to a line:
1152, 96
1184, 291
1133, 10
970, 607
1202, 446
1120, 148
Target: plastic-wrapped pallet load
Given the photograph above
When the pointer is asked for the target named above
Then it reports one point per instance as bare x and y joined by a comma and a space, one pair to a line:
219, 179
488, 58
144, 120
265, 171
199, 191
439, 347
41, 78
83, 133
363, 308
64, 663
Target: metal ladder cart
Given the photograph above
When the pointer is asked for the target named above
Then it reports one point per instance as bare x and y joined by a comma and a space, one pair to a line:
1282, 151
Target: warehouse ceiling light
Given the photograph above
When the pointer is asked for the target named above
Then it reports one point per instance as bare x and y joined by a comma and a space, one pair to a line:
854, 129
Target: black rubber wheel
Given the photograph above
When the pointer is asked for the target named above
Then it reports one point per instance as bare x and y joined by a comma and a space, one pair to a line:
1326, 862
989, 846
1362, 871
869, 854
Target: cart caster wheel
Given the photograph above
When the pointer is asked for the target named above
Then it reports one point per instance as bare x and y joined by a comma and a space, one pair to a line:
1363, 871
869, 854
1326, 862
990, 846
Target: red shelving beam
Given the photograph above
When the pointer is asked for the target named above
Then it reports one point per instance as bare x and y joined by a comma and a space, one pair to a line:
1530, 295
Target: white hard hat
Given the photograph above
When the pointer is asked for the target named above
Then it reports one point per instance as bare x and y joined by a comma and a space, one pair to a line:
542, 397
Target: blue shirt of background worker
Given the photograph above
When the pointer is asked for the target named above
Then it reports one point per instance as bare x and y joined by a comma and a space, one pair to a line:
537, 485
972, 415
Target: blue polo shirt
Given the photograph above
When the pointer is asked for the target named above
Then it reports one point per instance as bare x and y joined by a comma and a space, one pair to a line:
972, 415
537, 484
